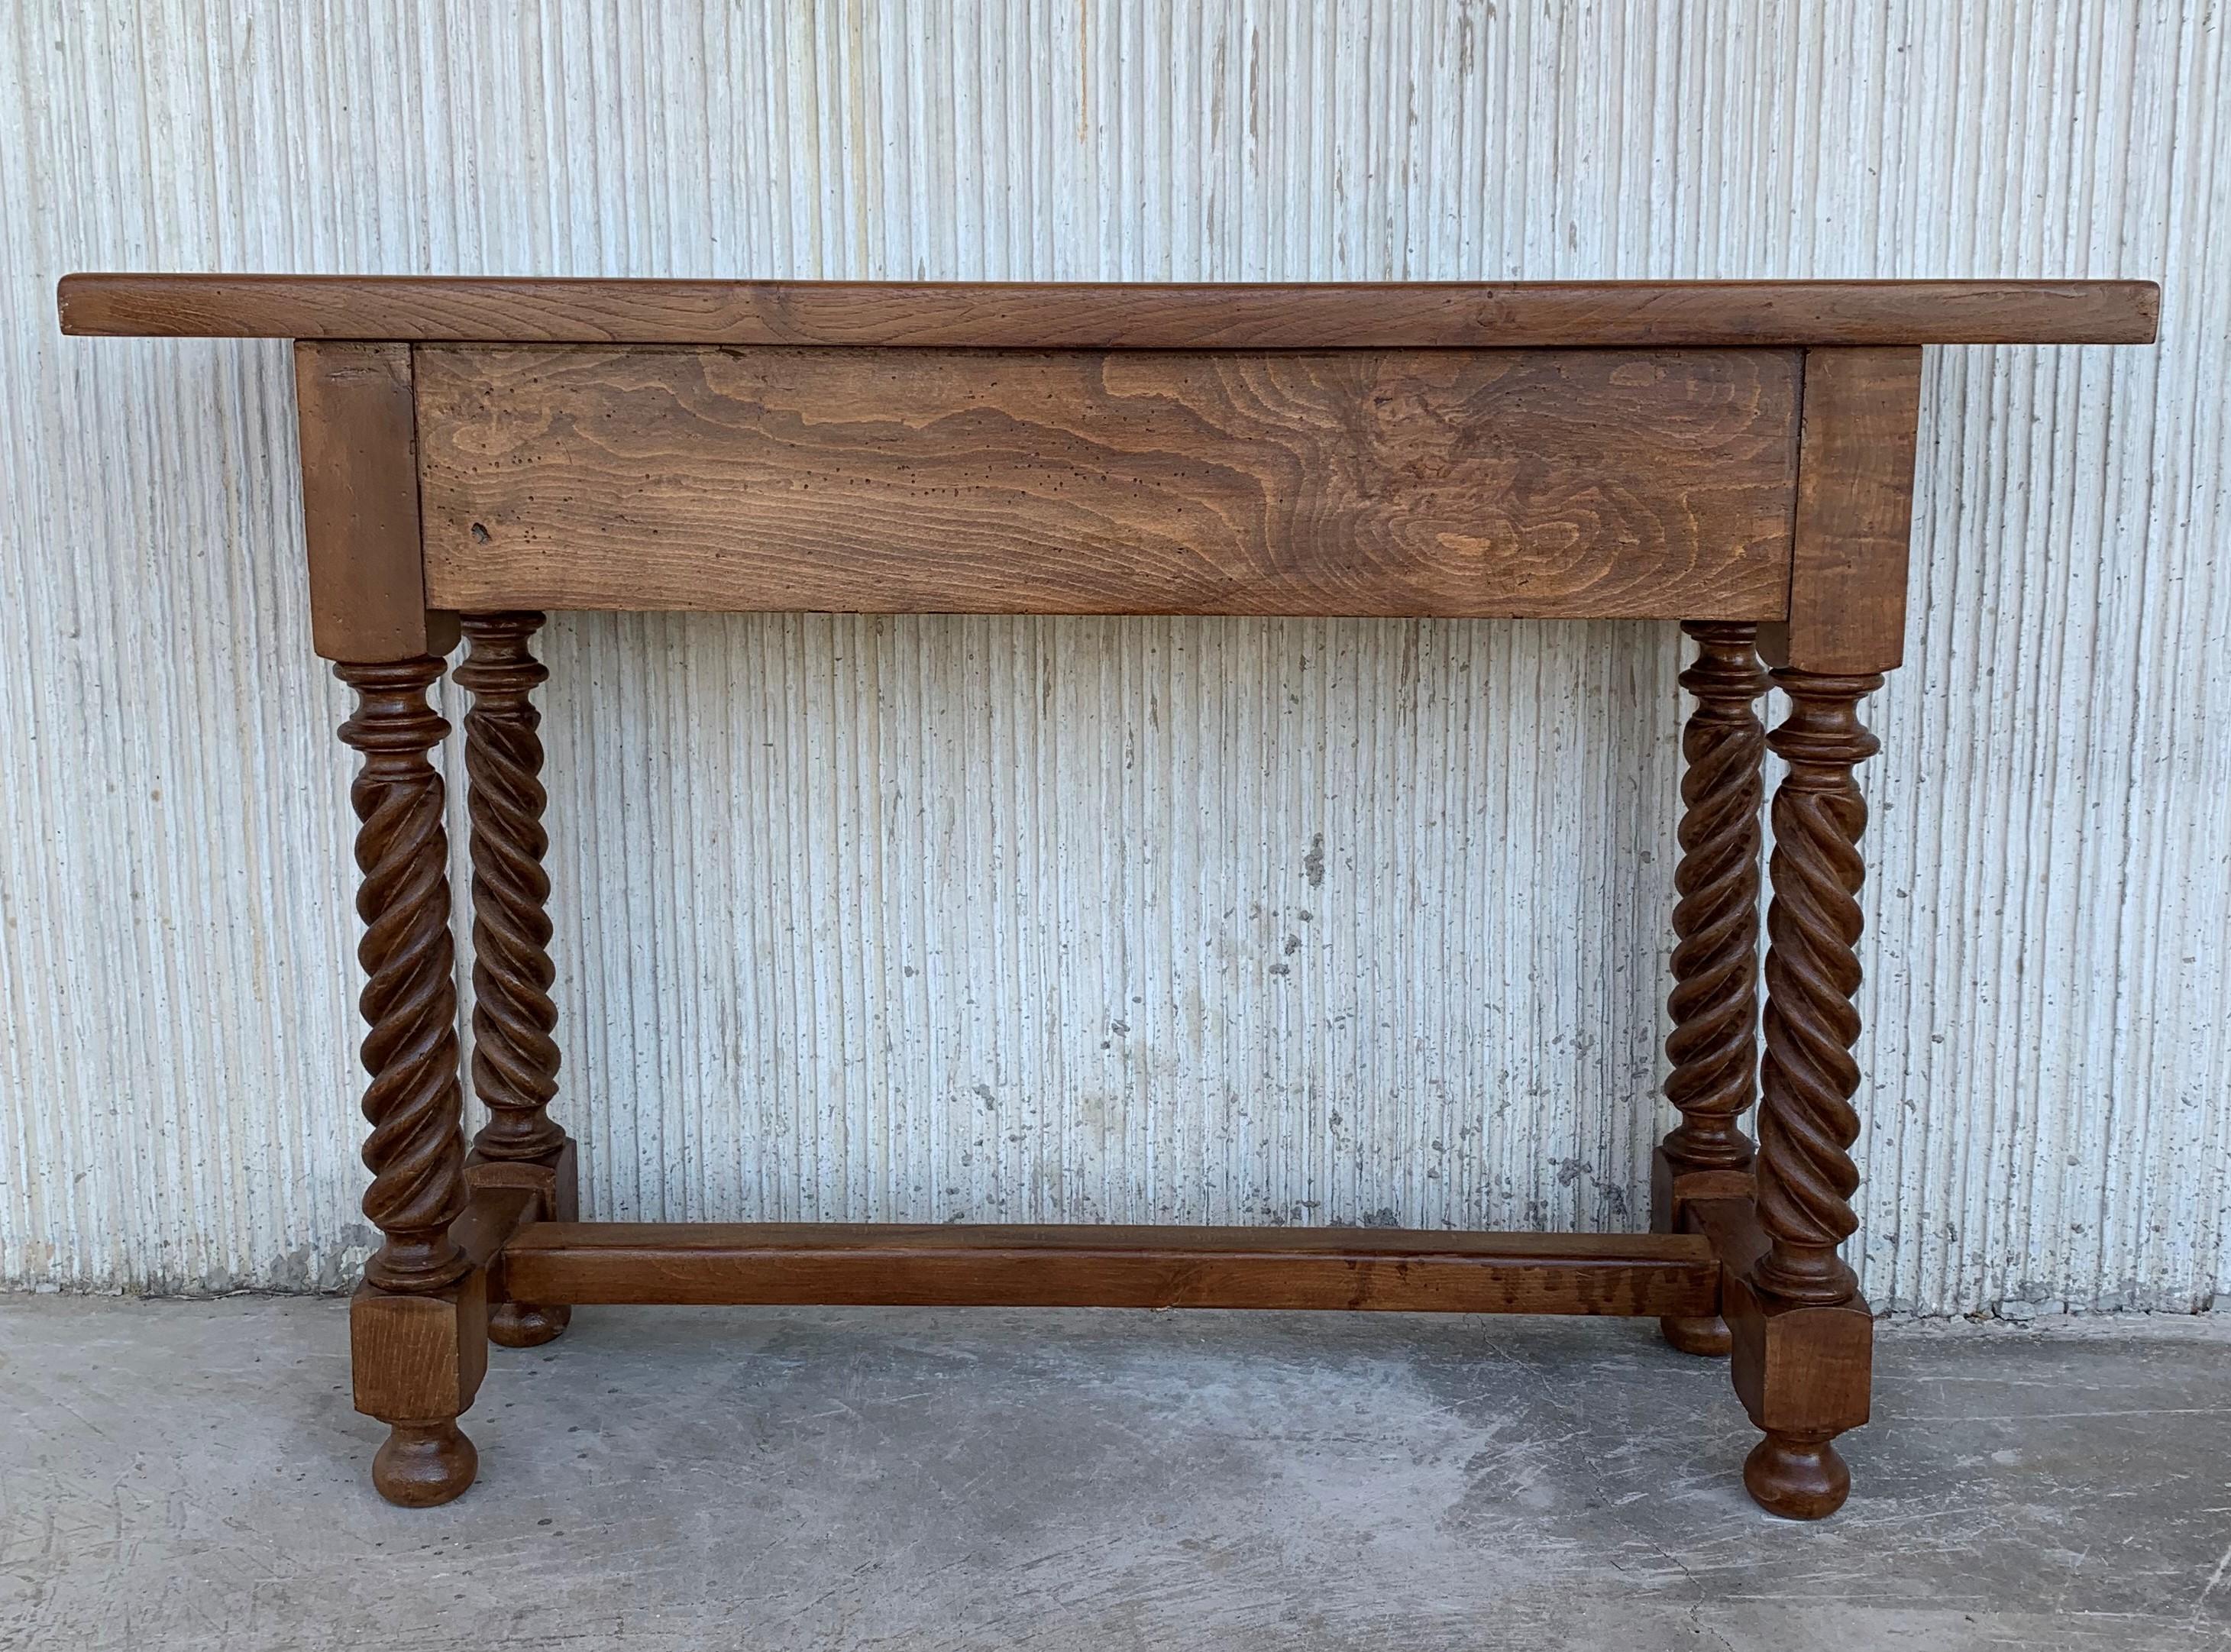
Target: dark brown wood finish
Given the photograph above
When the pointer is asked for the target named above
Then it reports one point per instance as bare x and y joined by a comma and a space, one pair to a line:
1808, 1125
417, 1359
1714, 1005
550, 1187
416, 1152
418, 1322
361, 505
1854, 513
1113, 1267
1803, 1347
514, 1057
1055, 315
1736, 455
515, 1053
492, 1216
1803, 1373
1355, 482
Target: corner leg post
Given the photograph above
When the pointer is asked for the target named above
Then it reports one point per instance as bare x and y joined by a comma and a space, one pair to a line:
514, 1052
1714, 1003
418, 1322
1803, 1334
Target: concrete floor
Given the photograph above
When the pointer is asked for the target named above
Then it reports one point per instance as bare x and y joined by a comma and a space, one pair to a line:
178, 1475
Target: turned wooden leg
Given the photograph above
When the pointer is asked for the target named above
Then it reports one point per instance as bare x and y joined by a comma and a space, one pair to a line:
1804, 1336
514, 1057
1714, 1005
418, 1336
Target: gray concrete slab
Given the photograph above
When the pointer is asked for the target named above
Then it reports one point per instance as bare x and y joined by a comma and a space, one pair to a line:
178, 1475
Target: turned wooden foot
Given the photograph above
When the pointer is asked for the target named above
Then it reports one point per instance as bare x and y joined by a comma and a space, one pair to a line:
1797, 1477
1707, 1336
424, 1464
523, 1325
419, 1358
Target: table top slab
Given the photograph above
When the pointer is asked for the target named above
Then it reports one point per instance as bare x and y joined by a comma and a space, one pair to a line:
1112, 316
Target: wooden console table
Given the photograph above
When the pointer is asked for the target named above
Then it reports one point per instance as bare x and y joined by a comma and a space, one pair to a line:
1737, 456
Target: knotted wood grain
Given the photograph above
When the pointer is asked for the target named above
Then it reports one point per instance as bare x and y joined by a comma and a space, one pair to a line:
1359, 482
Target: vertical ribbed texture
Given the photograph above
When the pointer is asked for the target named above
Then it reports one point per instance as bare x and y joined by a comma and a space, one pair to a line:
1147, 920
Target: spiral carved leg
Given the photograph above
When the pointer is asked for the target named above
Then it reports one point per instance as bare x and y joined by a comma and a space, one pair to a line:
1805, 1335
417, 1322
1807, 1123
415, 1151
514, 1056
1714, 1005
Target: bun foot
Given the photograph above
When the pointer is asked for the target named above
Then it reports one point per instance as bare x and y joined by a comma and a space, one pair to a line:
1708, 1336
424, 1464
523, 1325
1797, 1479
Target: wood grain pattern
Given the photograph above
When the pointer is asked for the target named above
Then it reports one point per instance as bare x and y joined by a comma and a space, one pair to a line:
552, 1186
1455, 484
1460, 315
493, 1213
515, 1053
1807, 1122
1802, 1335
417, 1361
1713, 1046
1729, 1220
415, 1151
1804, 1373
1855, 513
361, 505
1112, 1266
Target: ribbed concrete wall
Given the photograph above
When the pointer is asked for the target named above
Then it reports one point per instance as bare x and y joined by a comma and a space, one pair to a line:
1151, 920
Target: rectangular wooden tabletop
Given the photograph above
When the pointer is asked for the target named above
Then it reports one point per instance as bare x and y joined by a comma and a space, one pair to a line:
1731, 450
